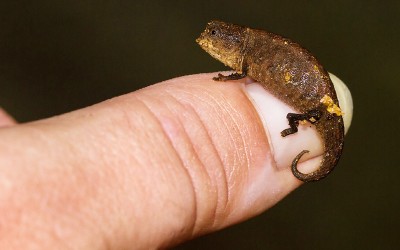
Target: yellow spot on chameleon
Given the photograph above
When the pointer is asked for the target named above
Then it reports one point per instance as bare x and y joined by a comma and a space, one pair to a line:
312, 119
331, 107
287, 77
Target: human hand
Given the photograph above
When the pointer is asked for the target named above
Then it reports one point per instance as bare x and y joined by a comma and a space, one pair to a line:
149, 169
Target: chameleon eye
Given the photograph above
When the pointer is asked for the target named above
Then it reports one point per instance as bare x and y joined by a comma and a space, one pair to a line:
213, 32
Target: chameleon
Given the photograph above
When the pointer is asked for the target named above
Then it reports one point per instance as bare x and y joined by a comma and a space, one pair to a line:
290, 73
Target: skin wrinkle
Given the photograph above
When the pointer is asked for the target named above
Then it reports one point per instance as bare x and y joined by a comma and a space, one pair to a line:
245, 148
190, 107
226, 199
189, 104
187, 168
149, 111
145, 187
231, 171
229, 110
202, 165
227, 128
196, 199
128, 120
194, 194
246, 159
215, 105
170, 142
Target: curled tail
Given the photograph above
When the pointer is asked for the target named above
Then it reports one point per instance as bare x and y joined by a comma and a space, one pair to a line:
332, 133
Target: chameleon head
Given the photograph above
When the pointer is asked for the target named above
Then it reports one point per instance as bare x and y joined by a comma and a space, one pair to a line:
224, 42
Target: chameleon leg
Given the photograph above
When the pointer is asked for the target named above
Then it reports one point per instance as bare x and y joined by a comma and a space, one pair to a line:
233, 76
312, 116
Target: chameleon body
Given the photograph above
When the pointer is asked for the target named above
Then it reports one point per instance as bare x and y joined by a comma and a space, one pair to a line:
290, 73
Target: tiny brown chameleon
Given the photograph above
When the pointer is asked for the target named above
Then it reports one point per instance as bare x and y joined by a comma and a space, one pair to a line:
290, 73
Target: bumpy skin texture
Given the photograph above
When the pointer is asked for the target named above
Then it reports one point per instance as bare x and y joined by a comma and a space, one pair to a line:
286, 70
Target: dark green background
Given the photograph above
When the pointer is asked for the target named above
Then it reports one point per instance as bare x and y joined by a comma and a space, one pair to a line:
57, 56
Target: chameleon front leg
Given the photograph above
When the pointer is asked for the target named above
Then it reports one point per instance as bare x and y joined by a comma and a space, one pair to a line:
233, 76
312, 116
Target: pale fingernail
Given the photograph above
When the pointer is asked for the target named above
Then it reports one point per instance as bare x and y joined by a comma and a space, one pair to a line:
345, 100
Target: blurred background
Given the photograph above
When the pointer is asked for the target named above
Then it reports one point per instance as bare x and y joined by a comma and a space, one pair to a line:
58, 56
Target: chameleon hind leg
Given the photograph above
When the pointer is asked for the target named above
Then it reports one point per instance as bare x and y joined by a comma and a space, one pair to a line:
311, 116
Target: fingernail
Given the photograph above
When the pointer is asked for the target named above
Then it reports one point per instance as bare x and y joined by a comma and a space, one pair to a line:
273, 113
345, 100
